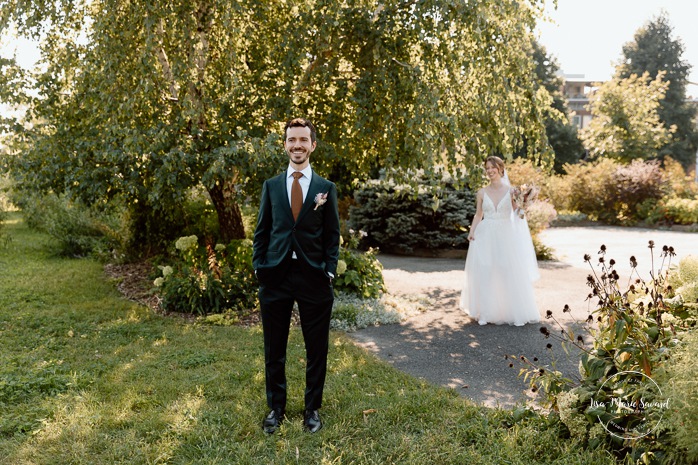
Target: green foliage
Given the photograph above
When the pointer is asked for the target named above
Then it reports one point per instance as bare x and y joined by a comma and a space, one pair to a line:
679, 183
398, 215
358, 273
676, 211
635, 335
3, 235
143, 101
75, 229
679, 385
209, 279
654, 51
522, 171
679, 204
631, 185
684, 283
626, 122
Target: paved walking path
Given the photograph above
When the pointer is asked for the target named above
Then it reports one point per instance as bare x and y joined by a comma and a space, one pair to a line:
447, 348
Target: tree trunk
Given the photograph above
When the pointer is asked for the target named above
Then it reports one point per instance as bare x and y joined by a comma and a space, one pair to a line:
229, 216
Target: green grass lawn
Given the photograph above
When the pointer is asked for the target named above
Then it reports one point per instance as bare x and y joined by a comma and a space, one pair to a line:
87, 377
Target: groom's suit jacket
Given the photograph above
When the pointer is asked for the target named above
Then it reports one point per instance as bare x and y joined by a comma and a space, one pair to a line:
314, 236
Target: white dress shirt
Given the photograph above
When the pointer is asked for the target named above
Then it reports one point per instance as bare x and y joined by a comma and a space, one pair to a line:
304, 181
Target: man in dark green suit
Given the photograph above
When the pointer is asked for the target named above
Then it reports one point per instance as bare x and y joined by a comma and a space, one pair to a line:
296, 248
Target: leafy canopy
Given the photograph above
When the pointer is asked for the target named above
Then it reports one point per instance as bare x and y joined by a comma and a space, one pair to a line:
143, 101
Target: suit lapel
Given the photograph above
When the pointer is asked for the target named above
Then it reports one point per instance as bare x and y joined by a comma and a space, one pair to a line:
282, 192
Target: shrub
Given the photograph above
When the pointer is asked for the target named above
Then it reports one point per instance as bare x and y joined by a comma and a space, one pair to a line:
631, 185
432, 213
679, 183
523, 171
77, 229
560, 194
539, 215
684, 283
358, 273
587, 185
677, 211
635, 336
209, 279
213, 280
609, 191
3, 235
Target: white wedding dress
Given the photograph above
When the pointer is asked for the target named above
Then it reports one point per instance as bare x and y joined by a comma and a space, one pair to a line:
500, 268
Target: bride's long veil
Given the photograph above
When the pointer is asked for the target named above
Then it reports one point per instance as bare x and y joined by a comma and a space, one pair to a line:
522, 237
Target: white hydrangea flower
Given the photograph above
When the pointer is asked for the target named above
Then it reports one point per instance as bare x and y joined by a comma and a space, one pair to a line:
341, 267
186, 242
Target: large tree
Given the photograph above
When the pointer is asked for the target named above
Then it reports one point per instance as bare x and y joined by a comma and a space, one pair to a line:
144, 100
654, 50
626, 123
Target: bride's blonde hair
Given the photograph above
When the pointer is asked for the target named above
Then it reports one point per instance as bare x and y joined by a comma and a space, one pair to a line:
497, 162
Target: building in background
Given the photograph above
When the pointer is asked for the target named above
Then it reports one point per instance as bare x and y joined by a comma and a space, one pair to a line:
576, 90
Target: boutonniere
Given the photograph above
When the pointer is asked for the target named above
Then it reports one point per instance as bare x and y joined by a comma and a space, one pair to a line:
320, 200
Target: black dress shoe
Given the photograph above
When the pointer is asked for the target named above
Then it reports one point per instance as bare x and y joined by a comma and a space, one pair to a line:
272, 421
312, 421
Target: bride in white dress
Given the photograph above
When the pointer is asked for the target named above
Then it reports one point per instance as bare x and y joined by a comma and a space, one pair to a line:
501, 263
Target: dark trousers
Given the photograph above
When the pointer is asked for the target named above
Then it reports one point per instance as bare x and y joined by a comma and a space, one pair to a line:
315, 297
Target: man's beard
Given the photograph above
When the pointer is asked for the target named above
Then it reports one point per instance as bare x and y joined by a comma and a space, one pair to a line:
293, 156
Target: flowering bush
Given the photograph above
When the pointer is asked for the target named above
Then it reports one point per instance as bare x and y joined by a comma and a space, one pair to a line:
358, 273
209, 279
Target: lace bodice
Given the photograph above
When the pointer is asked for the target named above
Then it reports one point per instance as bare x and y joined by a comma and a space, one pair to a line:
502, 211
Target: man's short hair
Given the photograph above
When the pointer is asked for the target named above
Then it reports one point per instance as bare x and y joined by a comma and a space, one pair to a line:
300, 123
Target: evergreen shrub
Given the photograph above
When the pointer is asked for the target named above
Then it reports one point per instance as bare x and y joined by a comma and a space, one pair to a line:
432, 212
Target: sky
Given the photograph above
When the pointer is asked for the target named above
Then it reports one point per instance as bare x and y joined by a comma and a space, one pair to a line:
587, 36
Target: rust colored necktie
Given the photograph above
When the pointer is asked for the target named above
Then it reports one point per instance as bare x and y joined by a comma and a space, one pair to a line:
296, 195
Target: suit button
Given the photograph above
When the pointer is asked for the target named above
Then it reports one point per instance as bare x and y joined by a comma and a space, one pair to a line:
293, 230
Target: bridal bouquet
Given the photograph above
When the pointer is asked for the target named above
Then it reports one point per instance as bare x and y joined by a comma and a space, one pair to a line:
523, 196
